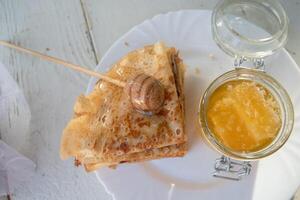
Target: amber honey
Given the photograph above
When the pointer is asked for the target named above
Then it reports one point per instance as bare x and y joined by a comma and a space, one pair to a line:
243, 115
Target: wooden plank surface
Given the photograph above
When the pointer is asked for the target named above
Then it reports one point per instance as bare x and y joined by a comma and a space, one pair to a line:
79, 31
57, 28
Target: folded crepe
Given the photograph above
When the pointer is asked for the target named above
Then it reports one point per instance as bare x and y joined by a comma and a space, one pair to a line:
106, 130
177, 150
155, 153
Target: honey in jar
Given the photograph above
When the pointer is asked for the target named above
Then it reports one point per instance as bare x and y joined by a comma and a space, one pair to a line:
243, 115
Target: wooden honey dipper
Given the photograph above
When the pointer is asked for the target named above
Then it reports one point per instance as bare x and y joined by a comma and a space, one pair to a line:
146, 93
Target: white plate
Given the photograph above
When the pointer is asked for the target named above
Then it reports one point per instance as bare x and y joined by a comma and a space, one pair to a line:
190, 177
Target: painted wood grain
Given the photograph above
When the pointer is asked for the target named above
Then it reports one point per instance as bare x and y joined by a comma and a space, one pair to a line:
57, 28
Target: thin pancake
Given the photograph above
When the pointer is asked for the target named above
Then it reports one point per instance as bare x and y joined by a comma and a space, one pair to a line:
106, 126
163, 152
150, 154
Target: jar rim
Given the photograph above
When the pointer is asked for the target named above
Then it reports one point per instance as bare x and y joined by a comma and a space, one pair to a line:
287, 113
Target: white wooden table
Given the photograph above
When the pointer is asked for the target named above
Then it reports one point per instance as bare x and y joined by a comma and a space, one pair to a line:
79, 31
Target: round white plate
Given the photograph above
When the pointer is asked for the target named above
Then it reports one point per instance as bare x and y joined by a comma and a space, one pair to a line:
190, 177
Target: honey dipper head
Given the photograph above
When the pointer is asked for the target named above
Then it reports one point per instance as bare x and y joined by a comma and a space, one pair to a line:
146, 93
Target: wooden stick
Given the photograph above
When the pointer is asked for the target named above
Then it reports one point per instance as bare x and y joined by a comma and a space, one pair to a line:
64, 63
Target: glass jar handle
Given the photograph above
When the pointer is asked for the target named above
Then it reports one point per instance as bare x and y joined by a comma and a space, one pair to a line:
227, 168
252, 63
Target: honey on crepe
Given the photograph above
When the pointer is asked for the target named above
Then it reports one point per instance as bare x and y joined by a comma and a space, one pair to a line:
107, 130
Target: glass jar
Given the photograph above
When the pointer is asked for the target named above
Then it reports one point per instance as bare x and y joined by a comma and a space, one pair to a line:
248, 30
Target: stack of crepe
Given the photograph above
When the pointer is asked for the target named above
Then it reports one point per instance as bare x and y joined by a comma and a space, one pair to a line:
106, 130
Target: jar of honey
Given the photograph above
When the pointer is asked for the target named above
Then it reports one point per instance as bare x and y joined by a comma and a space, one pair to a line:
245, 114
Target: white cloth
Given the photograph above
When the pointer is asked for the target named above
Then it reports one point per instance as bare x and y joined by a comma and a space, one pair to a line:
14, 113
14, 169
14, 124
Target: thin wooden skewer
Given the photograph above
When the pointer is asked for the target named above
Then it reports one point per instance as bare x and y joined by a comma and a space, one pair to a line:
64, 63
